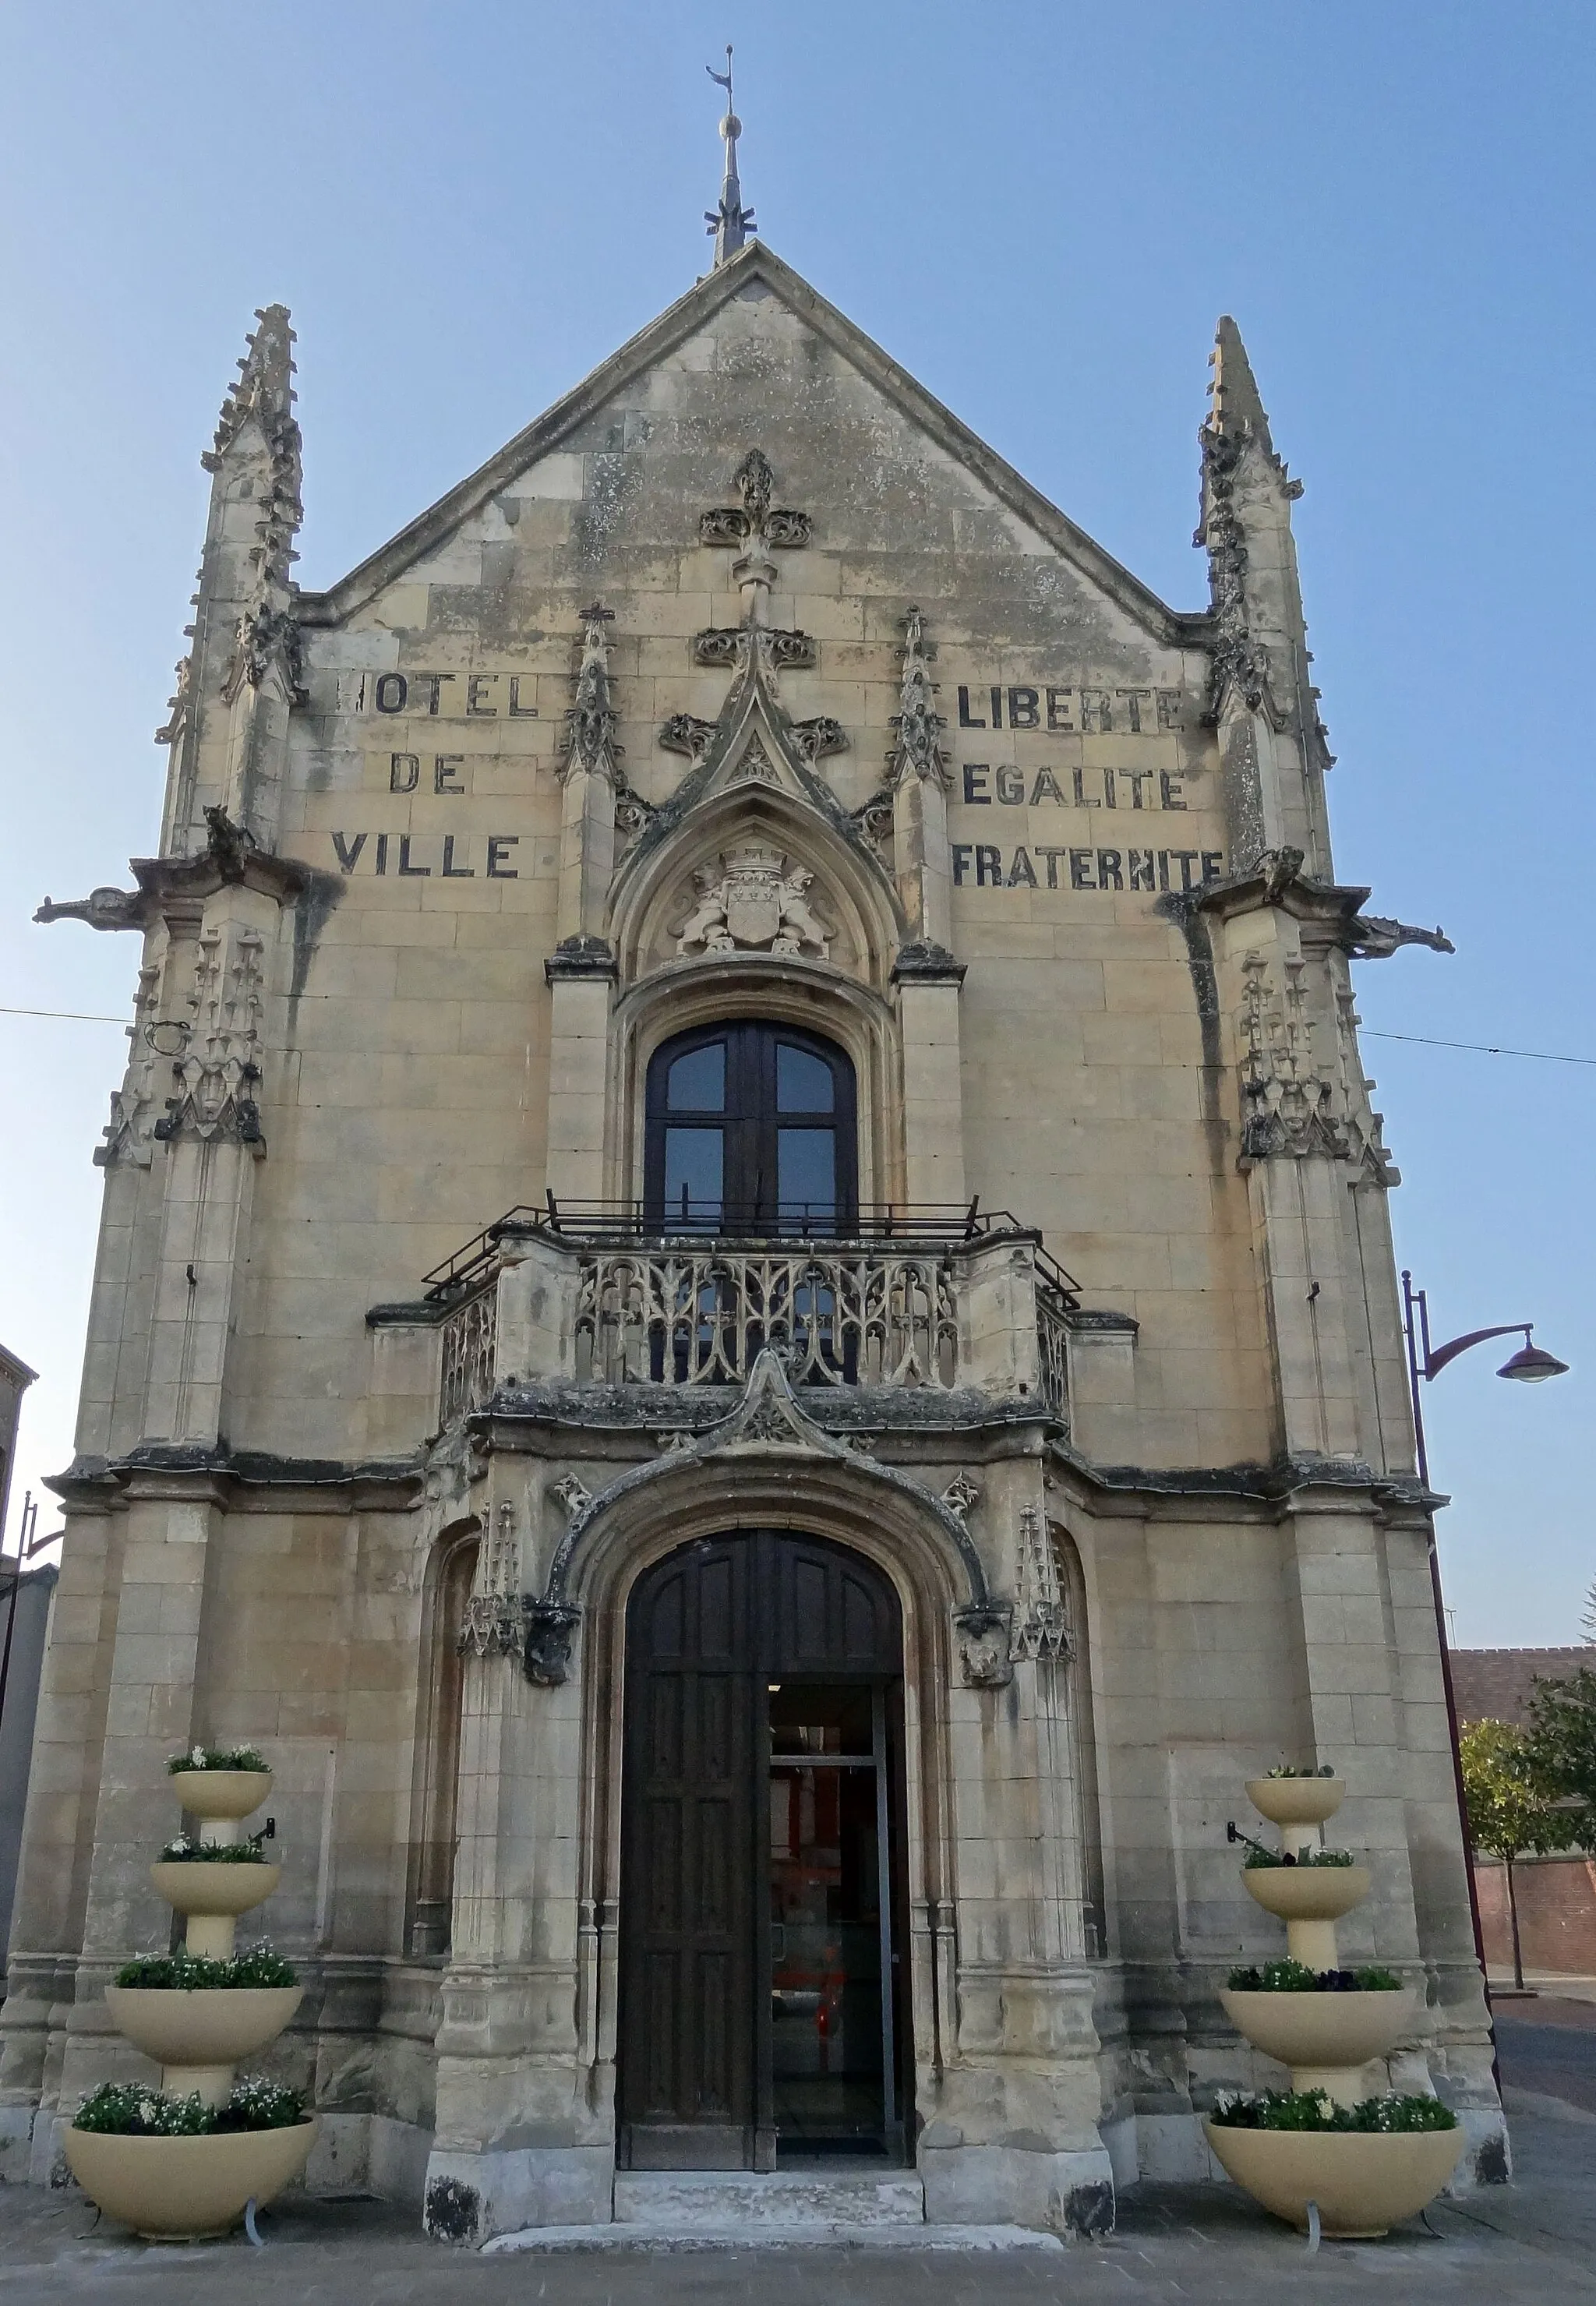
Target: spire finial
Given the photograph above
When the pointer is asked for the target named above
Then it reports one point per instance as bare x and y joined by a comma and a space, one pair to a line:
731, 222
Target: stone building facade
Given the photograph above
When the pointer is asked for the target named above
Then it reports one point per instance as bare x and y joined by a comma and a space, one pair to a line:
745, 1310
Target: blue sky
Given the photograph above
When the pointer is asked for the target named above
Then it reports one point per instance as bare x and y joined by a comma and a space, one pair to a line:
1040, 210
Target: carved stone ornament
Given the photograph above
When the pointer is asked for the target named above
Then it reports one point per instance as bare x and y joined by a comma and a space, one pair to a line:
685, 732
217, 1073
1287, 1099
1041, 1626
725, 647
492, 1619
960, 1494
573, 1494
590, 722
753, 521
102, 909
982, 1635
917, 752
753, 900
129, 1131
550, 1631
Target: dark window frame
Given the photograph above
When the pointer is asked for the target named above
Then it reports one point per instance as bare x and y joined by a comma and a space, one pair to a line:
749, 1123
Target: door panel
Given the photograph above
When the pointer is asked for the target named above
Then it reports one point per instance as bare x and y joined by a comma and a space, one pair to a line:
688, 2073
756, 1916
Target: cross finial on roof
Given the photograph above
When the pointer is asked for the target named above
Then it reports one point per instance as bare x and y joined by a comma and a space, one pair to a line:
731, 222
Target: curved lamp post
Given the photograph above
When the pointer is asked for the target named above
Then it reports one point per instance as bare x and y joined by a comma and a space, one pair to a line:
1530, 1365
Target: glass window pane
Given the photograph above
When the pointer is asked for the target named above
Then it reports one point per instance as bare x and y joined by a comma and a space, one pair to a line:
806, 1174
694, 1167
802, 1083
696, 1082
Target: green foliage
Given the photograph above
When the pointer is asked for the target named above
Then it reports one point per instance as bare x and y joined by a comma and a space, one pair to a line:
1316, 2110
1509, 1793
1290, 1770
1288, 1977
217, 1757
1258, 1856
129, 2110
194, 1973
1563, 1740
186, 1850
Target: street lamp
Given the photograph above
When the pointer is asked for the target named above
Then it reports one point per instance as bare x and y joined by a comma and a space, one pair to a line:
1530, 1365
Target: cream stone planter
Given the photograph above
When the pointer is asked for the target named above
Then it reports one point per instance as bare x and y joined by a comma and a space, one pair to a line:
1307, 1893
186, 2189
1327, 2039
228, 1794
1363, 2183
198, 2035
175, 2188
1307, 1898
1296, 1801
210, 1893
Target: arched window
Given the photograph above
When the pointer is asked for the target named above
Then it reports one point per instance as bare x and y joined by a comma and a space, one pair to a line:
750, 1129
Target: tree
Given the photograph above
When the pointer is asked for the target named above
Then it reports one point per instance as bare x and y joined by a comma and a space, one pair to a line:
1512, 1808
1563, 1734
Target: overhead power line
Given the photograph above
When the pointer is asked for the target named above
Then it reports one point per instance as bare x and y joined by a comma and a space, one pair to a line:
1481, 1048
1420, 1040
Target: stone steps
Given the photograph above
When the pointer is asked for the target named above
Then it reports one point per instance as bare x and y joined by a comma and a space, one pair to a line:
779, 2209
686, 2201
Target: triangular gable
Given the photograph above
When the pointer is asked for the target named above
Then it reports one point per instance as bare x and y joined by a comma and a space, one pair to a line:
653, 344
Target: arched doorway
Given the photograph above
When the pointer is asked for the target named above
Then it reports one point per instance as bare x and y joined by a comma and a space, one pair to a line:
750, 1128
762, 2016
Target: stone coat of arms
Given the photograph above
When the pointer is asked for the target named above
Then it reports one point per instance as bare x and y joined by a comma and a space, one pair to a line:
753, 899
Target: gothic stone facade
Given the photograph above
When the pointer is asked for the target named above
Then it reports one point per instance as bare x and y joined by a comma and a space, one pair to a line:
745, 703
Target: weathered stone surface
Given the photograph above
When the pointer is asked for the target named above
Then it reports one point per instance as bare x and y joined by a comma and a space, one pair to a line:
589, 755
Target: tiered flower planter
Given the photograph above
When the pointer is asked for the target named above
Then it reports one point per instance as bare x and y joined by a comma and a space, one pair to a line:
1362, 2182
170, 2189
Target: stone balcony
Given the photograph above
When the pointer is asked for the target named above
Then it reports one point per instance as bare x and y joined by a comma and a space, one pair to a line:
933, 1303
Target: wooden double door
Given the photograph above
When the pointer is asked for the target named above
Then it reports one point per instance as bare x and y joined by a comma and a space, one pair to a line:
761, 2011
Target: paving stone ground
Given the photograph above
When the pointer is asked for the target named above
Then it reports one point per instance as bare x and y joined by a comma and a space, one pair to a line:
1532, 2241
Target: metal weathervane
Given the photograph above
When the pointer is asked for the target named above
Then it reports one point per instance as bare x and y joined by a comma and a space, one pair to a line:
730, 222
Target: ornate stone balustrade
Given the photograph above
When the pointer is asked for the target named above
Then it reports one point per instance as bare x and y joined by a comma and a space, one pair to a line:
982, 1311
468, 1356
838, 1316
